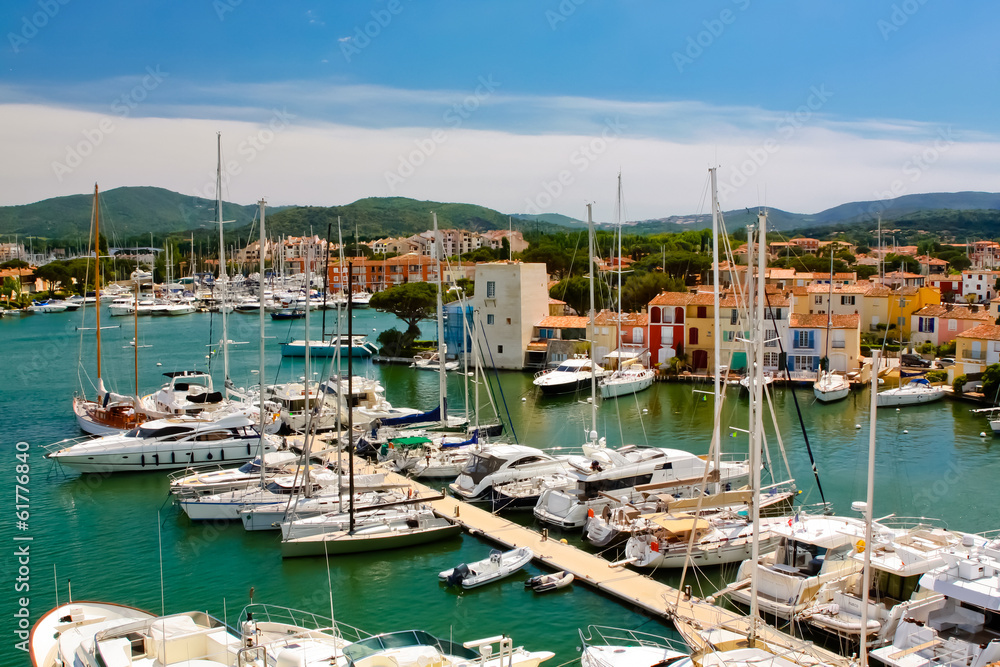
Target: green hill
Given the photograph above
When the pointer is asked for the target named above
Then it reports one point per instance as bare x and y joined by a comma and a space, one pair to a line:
125, 212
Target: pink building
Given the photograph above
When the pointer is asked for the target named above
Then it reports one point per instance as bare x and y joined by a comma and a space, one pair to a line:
940, 323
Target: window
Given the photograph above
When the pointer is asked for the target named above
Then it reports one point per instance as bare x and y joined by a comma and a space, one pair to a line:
802, 339
818, 299
702, 312
838, 340
637, 335
491, 289
654, 315
952, 325
804, 363
499, 349
666, 336
692, 336
734, 317
728, 336
900, 322
771, 359
508, 320
489, 319
771, 342
847, 300
926, 324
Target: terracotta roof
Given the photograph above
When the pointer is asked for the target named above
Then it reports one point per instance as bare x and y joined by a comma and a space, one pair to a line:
818, 321
819, 288
606, 317
5, 273
564, 322
671, 299
905, 291
800, 290
780, 274
879, 290
702, 299
982, 332
931, 261
954, 313
556, 301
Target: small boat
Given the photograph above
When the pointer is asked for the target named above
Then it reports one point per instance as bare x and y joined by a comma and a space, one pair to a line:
627, 380
289, 314
496, 567
47, 307
916, 391
356, 346
831, 387
544, 583
430, 361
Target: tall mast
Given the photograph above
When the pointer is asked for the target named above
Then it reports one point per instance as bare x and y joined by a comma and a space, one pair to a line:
717, 338
305, 385
593, 361
222, 261
620, 215
757, 410
866, 571
97, 281
350, 392
829, 318
442, 348
263, 476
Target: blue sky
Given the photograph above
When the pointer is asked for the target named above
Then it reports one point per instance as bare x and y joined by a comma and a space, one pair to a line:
497, 102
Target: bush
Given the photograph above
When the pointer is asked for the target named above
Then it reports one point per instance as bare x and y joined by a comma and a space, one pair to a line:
866, 351
959, 383
946, 350
927, 348
936, 376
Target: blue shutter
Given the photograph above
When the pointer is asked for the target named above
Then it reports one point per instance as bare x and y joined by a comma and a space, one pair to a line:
812, 339
790, 361
930, 323
795, 339
815, 363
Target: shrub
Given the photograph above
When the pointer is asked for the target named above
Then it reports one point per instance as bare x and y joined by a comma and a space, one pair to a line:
959, 384
936, 376
927, 348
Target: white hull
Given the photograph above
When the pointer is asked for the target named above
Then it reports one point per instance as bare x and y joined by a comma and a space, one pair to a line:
896, 397
161, 456
829, 396
615, 388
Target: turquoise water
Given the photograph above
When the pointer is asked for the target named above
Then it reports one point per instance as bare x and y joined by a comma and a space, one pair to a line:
104, 534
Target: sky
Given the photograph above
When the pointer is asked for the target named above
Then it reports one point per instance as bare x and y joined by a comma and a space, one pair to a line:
523, 106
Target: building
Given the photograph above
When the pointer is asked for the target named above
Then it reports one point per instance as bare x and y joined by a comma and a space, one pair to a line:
12, 251
619, 336
980, 282
398, 246
293, 252
250, 255
494, 239
373, 274
975, 350
949, 285
667, 315
984, 254
511, 298
808, 342
941, 323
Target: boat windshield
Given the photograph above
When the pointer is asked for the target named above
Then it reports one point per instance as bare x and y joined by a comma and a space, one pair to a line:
251, 466
143, 432
571, 368
481, 466
399, 640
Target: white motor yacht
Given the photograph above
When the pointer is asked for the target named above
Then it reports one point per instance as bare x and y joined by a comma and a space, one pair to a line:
493, 465
812, 550
956, 624
166, 444
569, 376
628, 473
414, 648
186, 393
625, 381
605, 646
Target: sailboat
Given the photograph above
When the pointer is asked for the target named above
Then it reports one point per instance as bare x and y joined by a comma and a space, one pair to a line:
829, 386
110, 413
630, 377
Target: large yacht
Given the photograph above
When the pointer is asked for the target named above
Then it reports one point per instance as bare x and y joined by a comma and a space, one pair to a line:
628, 473
569, 376
167, 444
494, 465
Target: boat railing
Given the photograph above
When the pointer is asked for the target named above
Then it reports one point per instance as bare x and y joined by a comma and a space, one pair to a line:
178, 475
911, 522
603, 635
308, 621
63, 444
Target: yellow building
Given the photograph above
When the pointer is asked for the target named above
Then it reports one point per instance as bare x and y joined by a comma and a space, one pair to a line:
975, 349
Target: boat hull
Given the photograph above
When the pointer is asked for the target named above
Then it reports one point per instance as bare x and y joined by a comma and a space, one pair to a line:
323, 350
831, 396
148, 459
887, 400
570, 387
616, 389
344, 543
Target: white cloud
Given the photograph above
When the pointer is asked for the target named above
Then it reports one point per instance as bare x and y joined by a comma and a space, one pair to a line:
490, 159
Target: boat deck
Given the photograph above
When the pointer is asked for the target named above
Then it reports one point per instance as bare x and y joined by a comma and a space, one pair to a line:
655, 598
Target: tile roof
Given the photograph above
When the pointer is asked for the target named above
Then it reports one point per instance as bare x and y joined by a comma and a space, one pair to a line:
606, 317
982, 332
564, 322
818, 321
671, 299
954, 312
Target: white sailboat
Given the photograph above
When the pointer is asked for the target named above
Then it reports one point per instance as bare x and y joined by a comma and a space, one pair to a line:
830, 386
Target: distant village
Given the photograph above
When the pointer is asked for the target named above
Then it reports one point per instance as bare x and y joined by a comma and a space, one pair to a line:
811, 315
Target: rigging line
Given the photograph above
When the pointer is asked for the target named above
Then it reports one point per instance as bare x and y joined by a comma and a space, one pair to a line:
795, 399
502, 396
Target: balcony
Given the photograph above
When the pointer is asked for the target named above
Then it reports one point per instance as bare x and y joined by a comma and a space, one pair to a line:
974, 355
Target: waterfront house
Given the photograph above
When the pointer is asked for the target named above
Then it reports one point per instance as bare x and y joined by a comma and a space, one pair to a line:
807, 343
975, 349
940, 323
512, 298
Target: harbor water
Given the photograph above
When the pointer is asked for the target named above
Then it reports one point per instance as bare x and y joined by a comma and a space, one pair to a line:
119, 538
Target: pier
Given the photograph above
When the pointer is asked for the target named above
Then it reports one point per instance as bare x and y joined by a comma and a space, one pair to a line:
655, 598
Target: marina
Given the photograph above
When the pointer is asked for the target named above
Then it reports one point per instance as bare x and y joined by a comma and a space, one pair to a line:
940, 467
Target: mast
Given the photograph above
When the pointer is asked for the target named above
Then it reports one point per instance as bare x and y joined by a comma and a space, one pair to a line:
97, 284
350, 392
263, 478
717, 338
135, 334
620, 216
222, 262
442, 348
305, 385
866, 572
326, 276
593, 362
756, 411
829, 319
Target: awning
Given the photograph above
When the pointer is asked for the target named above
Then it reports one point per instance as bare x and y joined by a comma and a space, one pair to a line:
679, 523
627, 353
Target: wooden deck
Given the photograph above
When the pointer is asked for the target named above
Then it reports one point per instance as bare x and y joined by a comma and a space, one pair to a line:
655, 598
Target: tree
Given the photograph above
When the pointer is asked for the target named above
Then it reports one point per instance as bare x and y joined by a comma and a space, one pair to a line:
15, 264
639, 290
54, 272
394, 343
410, 302
991, 382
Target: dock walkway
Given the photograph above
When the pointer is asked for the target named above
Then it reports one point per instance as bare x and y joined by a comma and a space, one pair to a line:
655, 598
